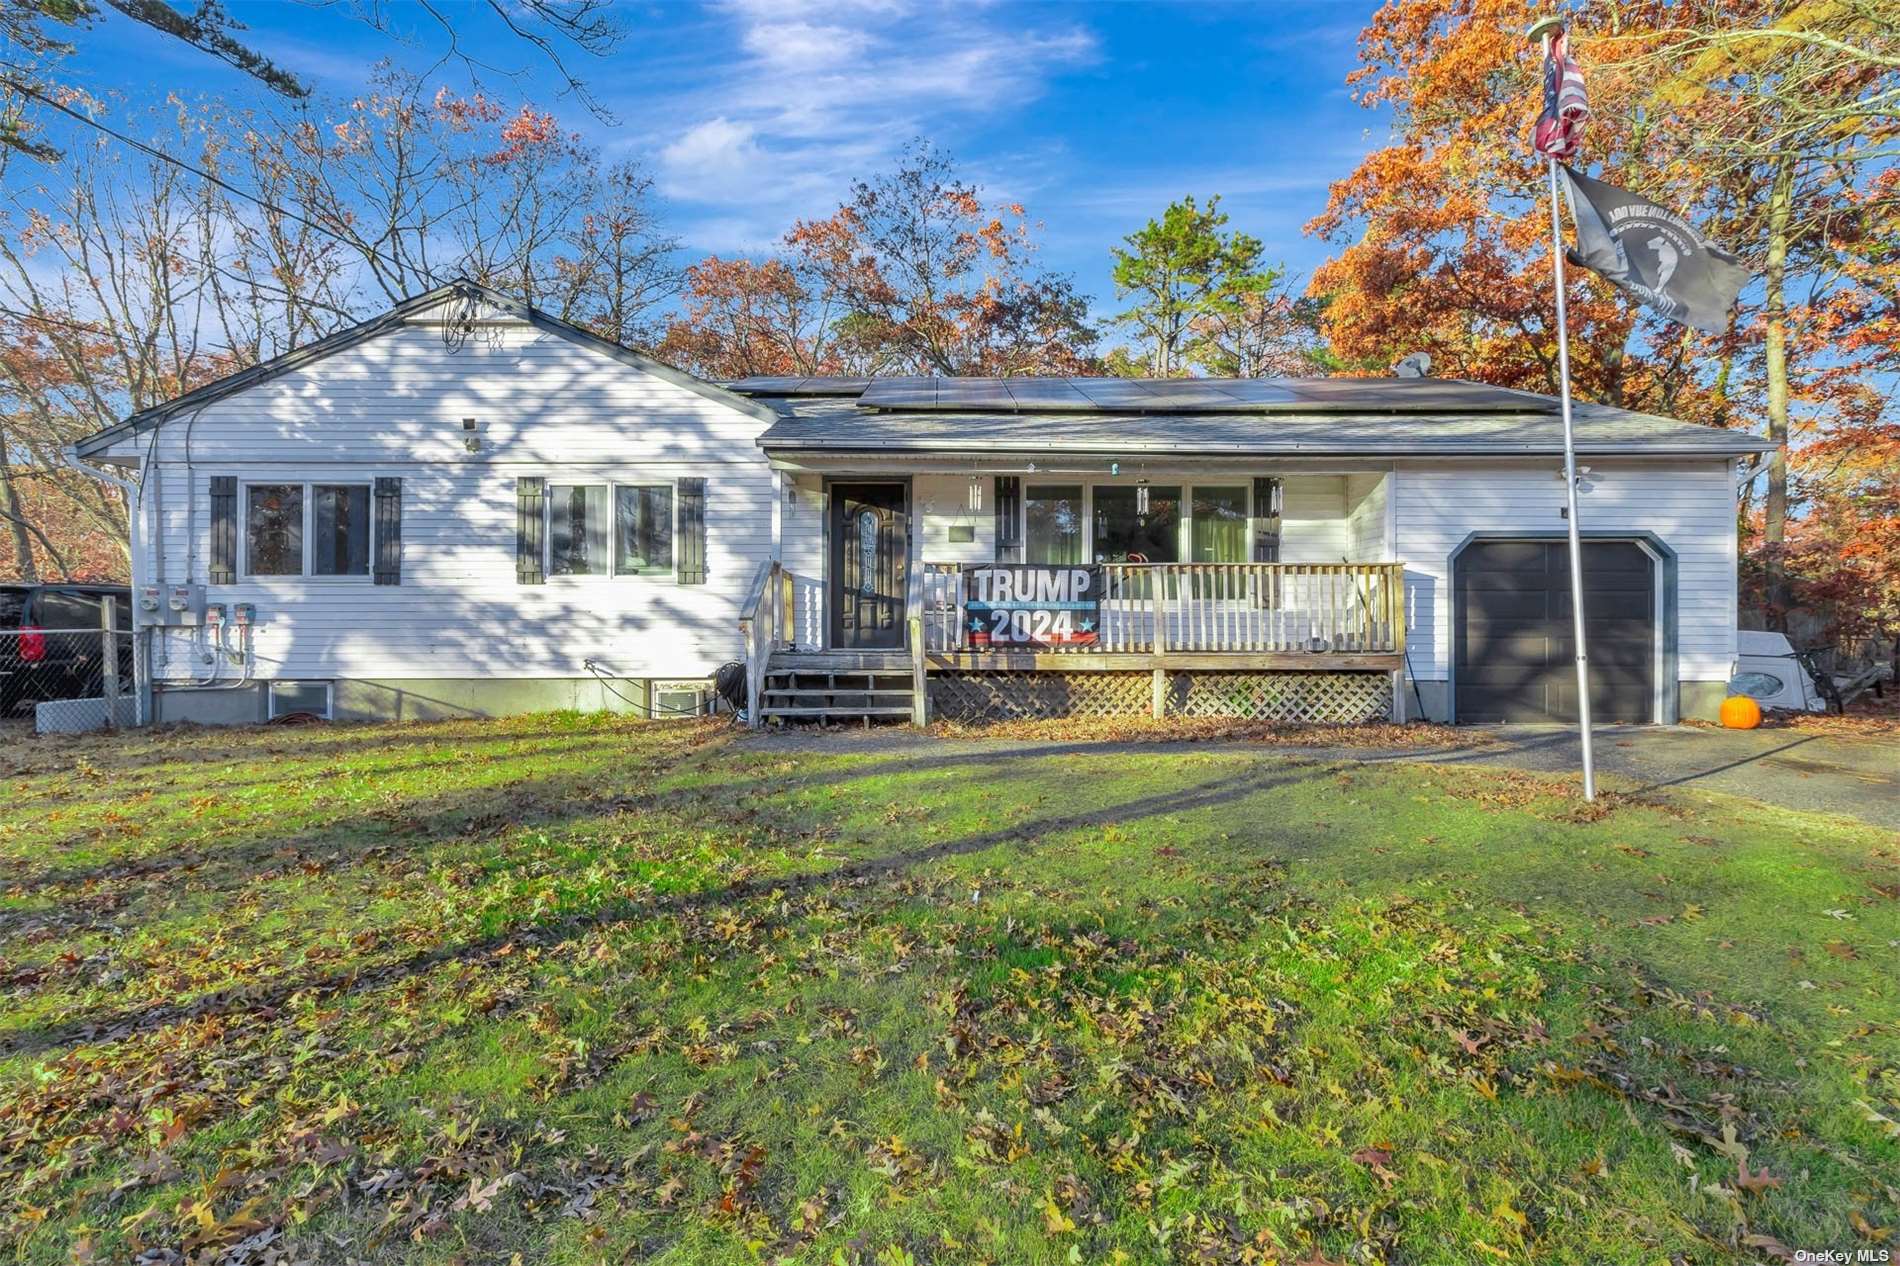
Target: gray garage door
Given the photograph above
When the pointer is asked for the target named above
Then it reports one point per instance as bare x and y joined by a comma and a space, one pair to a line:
1515, 660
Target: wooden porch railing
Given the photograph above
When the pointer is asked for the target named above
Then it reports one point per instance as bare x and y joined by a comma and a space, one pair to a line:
1262, 608
767, 621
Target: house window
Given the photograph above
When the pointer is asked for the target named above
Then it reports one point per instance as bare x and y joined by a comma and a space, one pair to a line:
339, 530
577, 530
287, 697
306, 529
1220, 524
610, 529
1141, 524
643, 528
1053, 516
273, 529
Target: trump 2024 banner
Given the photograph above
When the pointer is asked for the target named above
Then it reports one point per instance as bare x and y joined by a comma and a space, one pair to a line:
1031, 606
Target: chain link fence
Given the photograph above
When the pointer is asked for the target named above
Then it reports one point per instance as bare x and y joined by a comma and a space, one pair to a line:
69, 681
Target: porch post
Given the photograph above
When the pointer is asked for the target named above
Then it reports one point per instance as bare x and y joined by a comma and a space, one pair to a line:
914, 619
1157, 600
919, 682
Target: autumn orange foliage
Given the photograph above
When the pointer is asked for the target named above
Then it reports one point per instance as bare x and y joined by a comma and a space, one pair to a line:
1444, 247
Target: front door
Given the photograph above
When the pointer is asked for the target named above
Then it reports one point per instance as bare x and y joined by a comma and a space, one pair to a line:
870, 565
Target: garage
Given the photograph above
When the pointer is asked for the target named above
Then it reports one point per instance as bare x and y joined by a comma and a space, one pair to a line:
1515, 659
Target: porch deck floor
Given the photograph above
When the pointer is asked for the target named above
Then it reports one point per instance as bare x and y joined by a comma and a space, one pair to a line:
1187, 661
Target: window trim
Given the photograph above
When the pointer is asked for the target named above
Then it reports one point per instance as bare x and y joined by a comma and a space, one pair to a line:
270, 697
662, 575
1184, 542
304, 574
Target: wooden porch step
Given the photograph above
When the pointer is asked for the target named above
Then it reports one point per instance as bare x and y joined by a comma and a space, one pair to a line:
837, 686
839, 661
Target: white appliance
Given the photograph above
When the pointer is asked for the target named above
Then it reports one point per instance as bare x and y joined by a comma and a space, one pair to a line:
1767, 672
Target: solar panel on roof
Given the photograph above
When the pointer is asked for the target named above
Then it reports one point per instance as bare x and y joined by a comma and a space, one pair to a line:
961, 390
1046, 393
1110, 391
1421, 395
1198, 395
788, 385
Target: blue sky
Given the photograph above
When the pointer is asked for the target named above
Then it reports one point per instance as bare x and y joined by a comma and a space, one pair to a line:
755, 112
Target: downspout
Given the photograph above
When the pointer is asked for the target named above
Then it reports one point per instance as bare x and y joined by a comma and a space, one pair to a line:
70, 455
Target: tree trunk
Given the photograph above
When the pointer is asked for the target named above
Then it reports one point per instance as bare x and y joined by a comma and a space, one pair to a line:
1775, 355
11, 510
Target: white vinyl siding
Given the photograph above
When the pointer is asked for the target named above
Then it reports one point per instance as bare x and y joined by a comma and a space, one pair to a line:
1690, 506
546, 406
943, 502
802, 519
1367, 519
1313, 519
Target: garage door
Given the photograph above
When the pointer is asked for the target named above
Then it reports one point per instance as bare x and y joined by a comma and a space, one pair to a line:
1515, 660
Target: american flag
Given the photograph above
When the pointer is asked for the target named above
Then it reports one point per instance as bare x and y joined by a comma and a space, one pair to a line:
1560, 127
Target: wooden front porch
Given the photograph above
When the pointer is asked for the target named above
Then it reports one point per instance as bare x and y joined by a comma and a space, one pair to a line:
1173, 621
1201, 616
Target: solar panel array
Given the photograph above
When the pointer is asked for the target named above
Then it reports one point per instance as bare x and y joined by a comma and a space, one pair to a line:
1157, 395
1197, 395
767, 385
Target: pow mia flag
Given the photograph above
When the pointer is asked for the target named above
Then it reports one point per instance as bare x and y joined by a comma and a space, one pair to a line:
1653, 253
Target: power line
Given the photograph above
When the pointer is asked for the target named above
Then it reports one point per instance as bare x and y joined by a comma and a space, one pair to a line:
225, 185
87, 328
81, 326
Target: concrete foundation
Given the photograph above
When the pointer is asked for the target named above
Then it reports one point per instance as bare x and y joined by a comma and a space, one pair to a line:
1702, 700
412, 699
172, 705
1696, 700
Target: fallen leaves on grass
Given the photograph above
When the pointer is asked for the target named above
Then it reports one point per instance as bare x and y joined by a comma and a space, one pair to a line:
1378, 1161
1145, 729
676, 1040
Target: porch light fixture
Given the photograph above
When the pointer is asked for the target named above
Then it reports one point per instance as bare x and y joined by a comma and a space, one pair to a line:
470, 440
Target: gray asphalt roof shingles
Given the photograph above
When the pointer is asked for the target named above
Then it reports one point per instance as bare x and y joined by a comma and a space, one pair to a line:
838, 424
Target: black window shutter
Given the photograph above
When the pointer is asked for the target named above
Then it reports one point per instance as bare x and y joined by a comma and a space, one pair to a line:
389, 531
223, 567
528, 528
1009, 518
1266, 520
691, 551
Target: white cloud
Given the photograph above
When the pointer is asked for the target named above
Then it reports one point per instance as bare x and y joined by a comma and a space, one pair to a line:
804, 47
712, 162
809, 96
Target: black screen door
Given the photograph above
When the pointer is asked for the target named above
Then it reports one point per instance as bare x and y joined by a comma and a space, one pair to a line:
870, 565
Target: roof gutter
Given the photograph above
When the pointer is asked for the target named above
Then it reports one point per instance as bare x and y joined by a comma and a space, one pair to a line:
70, 456
1129, 450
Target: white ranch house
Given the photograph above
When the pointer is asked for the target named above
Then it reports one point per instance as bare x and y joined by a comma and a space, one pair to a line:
466, 507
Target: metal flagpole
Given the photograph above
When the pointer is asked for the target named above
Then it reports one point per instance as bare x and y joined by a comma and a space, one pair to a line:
1545, 28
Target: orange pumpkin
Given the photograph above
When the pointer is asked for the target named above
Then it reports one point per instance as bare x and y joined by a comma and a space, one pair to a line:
1739, 712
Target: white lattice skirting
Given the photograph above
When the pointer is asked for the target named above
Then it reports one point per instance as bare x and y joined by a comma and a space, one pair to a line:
1330, 698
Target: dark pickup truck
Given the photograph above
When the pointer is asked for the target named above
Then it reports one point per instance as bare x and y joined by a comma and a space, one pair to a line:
50, 647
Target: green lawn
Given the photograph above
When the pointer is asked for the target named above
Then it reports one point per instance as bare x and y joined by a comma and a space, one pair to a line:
570, 989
